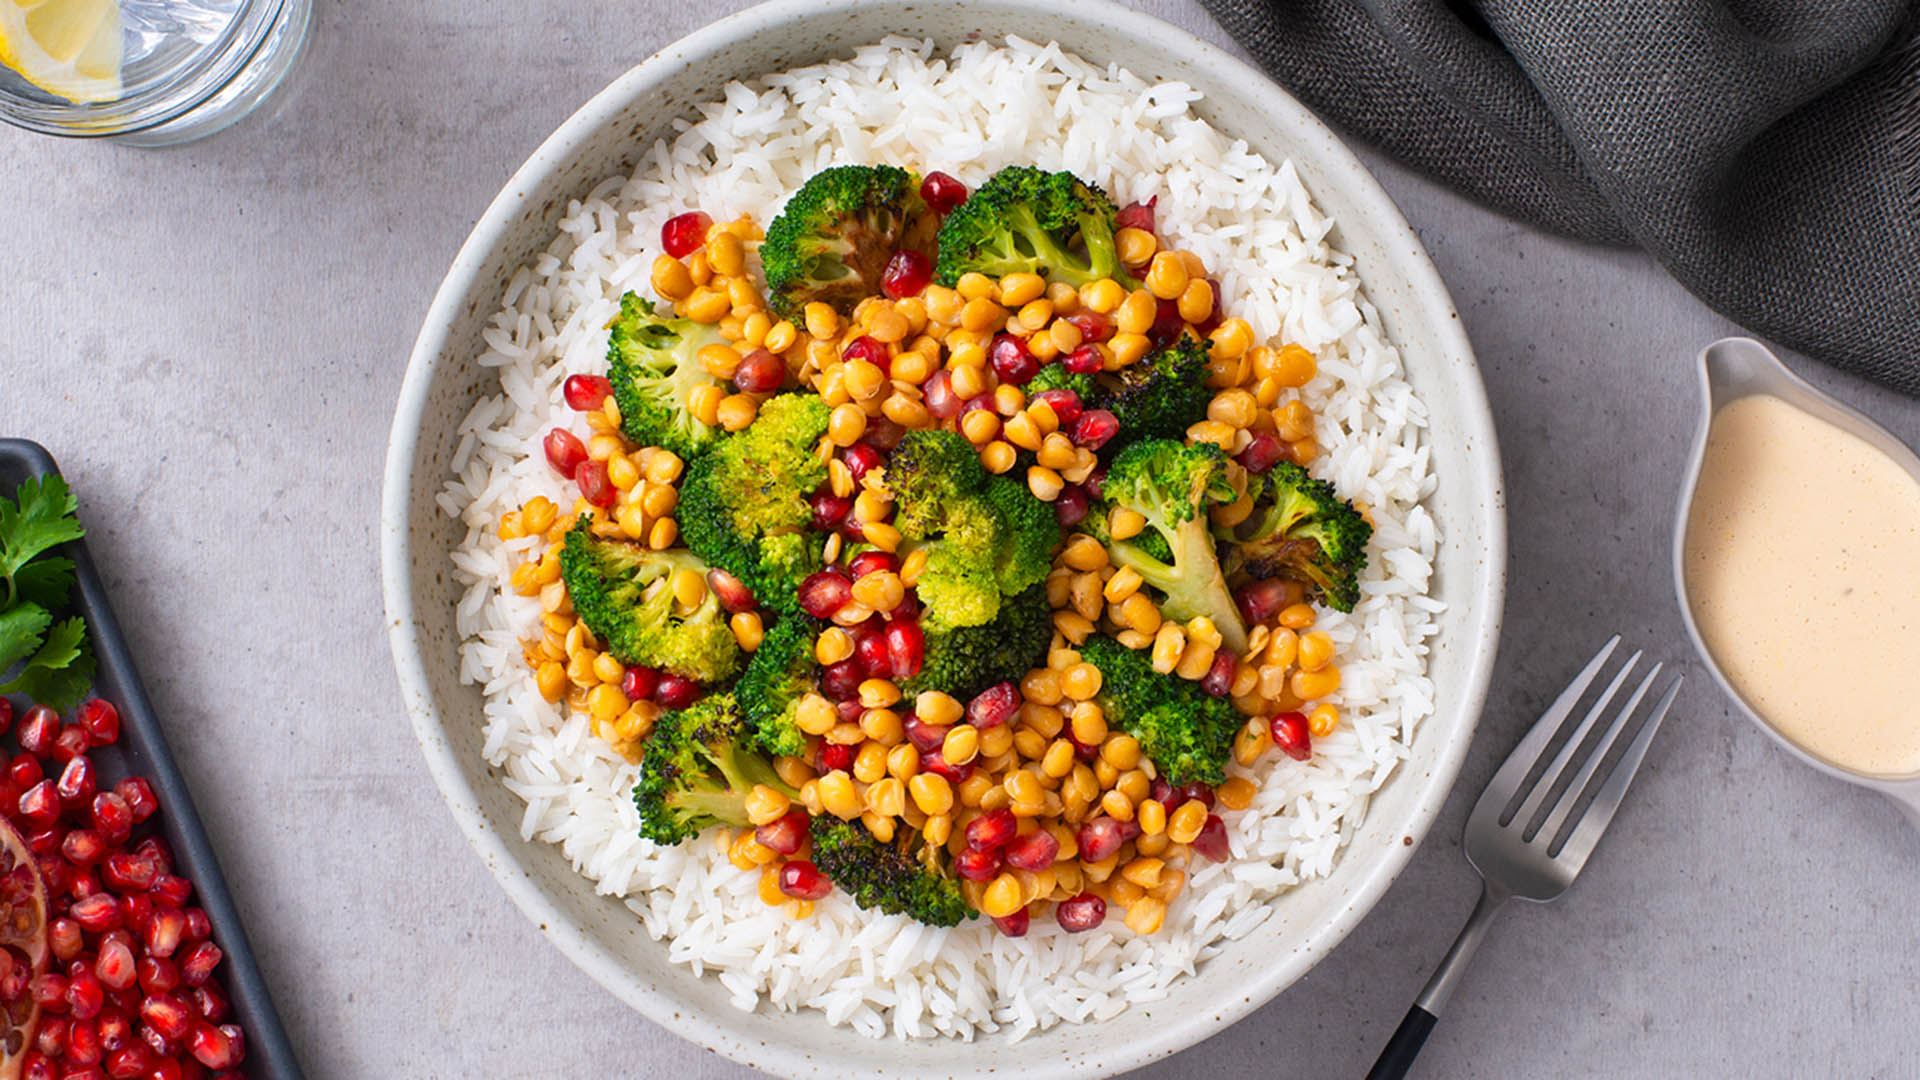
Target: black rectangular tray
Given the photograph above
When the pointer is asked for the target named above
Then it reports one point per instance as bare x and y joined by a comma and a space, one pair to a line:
142, 750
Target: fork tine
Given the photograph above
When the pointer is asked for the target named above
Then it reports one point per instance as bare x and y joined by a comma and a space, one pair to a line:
1544, 785
1551, 827
1514, 769
1599, 813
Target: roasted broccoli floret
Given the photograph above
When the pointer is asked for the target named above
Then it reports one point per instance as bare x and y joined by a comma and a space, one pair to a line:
698, 770
622, 592
929, 471
1026, 220
780, 673
1055, 376
833, 239
1305, 533
654, 364
1172, 485
1032, 535
1185, 732
960, 584
743, 504
903, 877
964, 660
1162, 394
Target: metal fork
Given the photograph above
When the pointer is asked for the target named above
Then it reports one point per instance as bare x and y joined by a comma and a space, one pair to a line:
1514, 848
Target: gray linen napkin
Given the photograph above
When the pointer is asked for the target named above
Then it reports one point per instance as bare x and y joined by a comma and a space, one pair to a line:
1766, 151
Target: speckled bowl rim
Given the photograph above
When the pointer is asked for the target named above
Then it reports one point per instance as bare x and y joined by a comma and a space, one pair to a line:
1134, 1045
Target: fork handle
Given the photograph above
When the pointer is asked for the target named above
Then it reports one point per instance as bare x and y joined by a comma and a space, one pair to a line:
1395, 1061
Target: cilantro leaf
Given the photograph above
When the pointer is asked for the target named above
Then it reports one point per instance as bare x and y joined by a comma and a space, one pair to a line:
60, 673
42, 518
20, 631
46, 581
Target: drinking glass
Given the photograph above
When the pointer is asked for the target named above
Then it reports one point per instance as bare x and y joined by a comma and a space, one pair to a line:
188, 68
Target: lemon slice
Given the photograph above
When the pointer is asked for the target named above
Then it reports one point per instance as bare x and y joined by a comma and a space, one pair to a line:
69, 48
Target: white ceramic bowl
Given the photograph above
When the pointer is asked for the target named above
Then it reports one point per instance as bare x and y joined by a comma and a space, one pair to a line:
442, 383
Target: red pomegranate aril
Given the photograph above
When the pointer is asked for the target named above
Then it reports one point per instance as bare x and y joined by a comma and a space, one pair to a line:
783, 837
975, 865
38, 728
15, 976
932, 761
165, 931
908, 273
111, 816
168, 1015
1098, 838
993, 706
158, 974
99, 719
942, 193
873, 562
1136, 215
116, 1030
1014, 925
198, 967
51, 1039
1259, 599
77, 783
170, 890
1291, 735
676, 692
1094, 429
1071, 505
835, 756
126, 872
1168, 324
802, 880
139, 796
992, 830
54, 870
872, 350
1084, 360
1263, 452
136, 912
64, 935
862, 459
83, 847
85, 997
938, 396
906, 648
586, 393
682, 234
116, 968
1218, 681
46, 842
841, 681
24, 771
591, 478
35, 1066
41, 804
824, 593
163, 1048
731, 591
128, 1062
829, 510
1082, 913
760, 372
156, 849
564, 450
199, 927
210, 1002
1093, 326
1196, 791
871, 653
1064, 403
925, 737
50, 990
1012, 361
83, 1044
1212, 841
1033, 852
639, 683
883, 434
81, 882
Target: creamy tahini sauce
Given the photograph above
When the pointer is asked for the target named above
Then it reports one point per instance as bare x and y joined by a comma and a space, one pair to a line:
1803, 572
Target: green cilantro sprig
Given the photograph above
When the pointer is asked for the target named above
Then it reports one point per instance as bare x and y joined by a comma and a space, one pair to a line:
56, 668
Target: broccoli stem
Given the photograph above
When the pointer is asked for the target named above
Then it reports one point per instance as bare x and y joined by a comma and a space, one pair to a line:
1190, 595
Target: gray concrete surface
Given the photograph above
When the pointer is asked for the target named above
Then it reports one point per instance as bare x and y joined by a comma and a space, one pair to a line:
211, 339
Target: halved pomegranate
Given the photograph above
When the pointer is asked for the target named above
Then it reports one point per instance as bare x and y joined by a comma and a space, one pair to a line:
24, 948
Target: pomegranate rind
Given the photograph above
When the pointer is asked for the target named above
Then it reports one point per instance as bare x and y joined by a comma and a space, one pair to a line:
23, 927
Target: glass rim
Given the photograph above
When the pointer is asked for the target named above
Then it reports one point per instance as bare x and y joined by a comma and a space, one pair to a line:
197, 82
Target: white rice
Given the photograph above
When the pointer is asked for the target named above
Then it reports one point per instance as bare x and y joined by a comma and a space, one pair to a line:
970, 113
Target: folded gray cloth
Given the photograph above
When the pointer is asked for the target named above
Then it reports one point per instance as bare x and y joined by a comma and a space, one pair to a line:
1766, 151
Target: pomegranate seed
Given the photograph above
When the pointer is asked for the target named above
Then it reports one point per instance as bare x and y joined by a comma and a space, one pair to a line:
942, 193
199, 927
53, 869
1014, 925
165, 931
883, 433
992, 830
841, 681
1136, 215
1033, 852
873, 562
938, 396
85, 996
41, 804
38, 728
83, 1044
835, 757
1259, 599
158, 974
1263, 453
1011, 360
861, 459
1064, 403
210, 1002
1212, 841
1071, 505
111, 816
682, 234
676, 692
802, 880
872, 350
167, 1015
170, 890
564, 450
907, 610
591, 478
115, 968
198, 967
639, 683
732, 592
906, 648
77, 783
24, 770
83, 847
1098, 838
586, 393
116, 1030
824, 593
1218, 680
782, 837
1196, 791
36, 1067
871, 654
46, 842
81, 883
156, 849
1168, 324
976, 865
932, 761
1094, 428
126, 872
1084, 360
128, 1062
164, 1048
1083, 912
760, 372
139, 796
1093, 326
925, 737
829, 509
51, 1039
908, 273
64, 935
993, 706
6, 715
50, 990
99, 719
136, 911
1290, 734
15, 980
